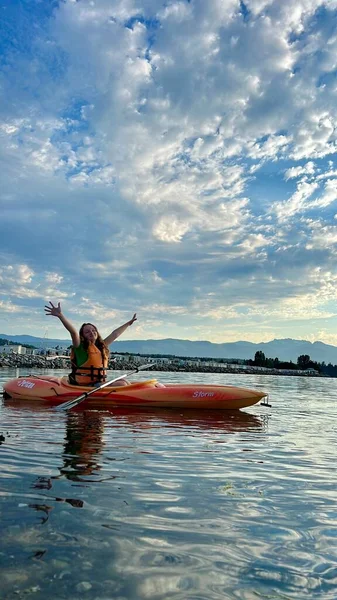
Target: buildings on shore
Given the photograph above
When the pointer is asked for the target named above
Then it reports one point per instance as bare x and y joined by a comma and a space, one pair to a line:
23, 350
14, 349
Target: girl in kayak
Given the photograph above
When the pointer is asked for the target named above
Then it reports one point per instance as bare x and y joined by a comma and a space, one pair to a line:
90, 352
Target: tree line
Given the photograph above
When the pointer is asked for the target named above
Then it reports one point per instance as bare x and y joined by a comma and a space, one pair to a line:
303, 363
5, 342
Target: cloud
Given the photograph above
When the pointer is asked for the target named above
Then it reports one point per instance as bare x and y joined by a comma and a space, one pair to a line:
8, 307
323, 236
294, 172
298, 202
175, 150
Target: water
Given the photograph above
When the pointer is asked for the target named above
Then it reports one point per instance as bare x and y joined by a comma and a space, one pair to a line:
172, 504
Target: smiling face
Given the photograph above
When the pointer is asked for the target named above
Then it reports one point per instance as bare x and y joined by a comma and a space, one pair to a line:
89, 333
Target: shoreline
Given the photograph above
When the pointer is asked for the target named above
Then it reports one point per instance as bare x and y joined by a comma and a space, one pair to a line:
18, 361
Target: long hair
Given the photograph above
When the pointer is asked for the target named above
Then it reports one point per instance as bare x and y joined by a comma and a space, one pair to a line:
100, 343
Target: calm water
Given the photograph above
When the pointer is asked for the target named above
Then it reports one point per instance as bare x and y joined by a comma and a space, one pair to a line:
171, 504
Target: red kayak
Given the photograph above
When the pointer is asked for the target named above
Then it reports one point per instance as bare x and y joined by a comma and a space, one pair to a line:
150, 393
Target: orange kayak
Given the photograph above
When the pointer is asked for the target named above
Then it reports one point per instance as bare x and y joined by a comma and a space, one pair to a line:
150, 394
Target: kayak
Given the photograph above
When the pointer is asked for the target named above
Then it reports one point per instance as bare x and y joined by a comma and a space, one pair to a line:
150, 393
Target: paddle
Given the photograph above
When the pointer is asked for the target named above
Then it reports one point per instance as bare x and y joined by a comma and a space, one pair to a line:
76, 401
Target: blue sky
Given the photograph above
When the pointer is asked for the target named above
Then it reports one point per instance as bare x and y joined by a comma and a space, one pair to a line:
175, 159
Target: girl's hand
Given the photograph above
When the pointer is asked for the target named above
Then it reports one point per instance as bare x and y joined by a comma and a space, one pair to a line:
53, 311
134, 318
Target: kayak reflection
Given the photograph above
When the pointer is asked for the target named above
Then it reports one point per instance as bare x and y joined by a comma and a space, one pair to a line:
84, 435
225, 421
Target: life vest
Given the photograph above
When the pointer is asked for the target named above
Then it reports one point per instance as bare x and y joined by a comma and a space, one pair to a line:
92, 370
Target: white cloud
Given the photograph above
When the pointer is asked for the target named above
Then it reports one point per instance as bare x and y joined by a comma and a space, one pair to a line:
329, 194
170, 230
298, 202
54, 278
255, 241
8, 307
302, 201
294, 172
157, 147
270, 149
316, 137
323, 237
16, 274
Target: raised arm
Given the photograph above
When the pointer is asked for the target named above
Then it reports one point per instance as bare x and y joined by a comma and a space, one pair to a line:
117, 332
55, 311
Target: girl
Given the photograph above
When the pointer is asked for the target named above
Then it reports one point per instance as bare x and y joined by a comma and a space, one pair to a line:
90, 352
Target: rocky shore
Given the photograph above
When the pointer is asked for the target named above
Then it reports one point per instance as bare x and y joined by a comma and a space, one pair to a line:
18, 361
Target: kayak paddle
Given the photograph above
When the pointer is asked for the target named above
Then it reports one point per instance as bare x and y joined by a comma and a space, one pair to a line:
71, 403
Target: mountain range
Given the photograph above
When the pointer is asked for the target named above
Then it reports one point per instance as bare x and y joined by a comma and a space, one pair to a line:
284, 349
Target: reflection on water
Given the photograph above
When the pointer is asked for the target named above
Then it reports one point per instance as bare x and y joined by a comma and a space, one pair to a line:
170, 503
83, 443
225, 421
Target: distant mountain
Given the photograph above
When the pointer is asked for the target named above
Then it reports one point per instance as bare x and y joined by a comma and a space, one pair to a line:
284, 349
35, 341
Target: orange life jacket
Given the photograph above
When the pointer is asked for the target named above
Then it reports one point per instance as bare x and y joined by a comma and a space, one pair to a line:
93, 370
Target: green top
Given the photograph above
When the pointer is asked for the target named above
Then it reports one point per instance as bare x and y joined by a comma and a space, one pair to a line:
81, 355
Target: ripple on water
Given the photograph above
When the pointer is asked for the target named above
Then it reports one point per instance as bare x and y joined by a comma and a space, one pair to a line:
172, 504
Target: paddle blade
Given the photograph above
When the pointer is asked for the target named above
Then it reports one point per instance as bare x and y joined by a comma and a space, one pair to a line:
71, 403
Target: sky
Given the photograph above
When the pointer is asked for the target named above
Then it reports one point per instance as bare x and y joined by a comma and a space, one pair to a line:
175, 159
